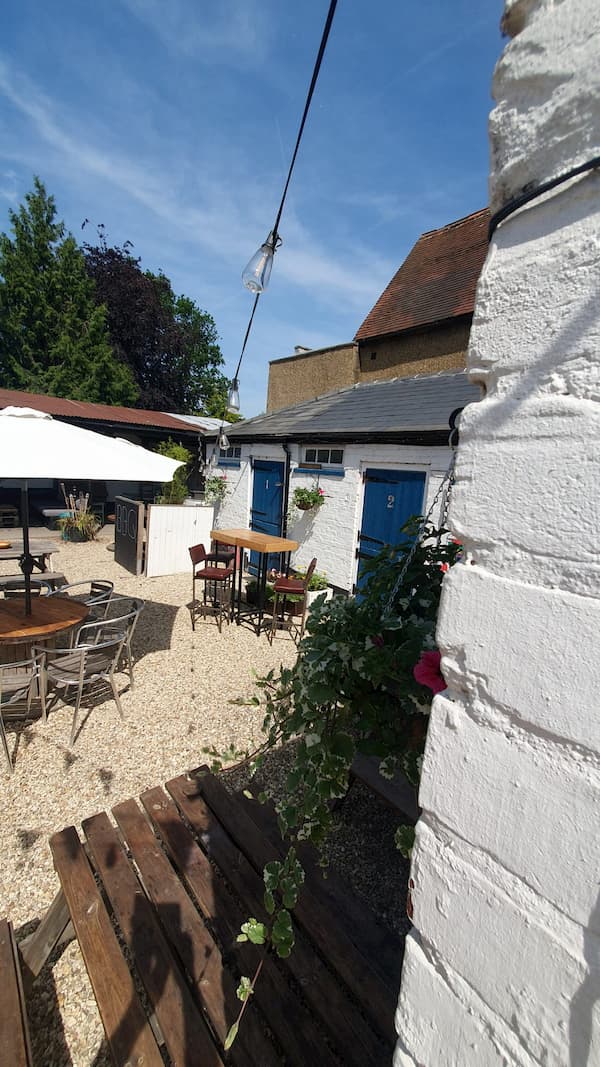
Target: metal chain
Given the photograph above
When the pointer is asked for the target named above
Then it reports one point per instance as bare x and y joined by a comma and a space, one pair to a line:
445, 485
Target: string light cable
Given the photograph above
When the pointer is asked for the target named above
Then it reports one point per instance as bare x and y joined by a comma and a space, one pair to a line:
532, 194
263, 259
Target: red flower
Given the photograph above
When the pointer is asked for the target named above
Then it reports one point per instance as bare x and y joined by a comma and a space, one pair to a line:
427, 671
444, 567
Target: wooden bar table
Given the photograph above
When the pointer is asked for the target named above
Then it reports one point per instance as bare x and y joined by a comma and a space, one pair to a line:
263, 544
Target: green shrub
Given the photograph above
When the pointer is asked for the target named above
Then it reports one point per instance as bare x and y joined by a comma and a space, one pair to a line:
175, 492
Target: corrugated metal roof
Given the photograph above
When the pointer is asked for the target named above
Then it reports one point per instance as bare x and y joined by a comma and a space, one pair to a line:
393, 406
77, 409
203, 423
436, 282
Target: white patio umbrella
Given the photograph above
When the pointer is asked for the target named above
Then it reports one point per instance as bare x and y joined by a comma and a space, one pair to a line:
34, 445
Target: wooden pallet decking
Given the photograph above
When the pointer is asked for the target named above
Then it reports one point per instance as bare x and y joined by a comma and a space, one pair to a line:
15, 1048
156, 903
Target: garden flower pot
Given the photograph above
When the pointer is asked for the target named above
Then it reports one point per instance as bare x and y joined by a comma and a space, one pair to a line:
305, 507
295, 608
75, 535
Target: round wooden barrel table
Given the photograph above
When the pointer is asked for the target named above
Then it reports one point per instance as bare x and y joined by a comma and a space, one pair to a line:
50, 616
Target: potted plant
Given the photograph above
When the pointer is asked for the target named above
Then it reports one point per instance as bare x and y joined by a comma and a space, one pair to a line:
317, 586
215, 488
79, 526
306, 499
252, 593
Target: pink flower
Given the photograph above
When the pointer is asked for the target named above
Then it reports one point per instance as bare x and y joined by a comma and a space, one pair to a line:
378, 641
321, 492
427, 671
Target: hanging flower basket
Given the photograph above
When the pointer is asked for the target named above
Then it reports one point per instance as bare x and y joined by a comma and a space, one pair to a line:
306, 499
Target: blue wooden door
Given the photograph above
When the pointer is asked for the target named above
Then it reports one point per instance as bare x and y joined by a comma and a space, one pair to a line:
391, 497
266, 514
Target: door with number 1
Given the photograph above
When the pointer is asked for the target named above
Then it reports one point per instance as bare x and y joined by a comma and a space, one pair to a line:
266, 515
391, 497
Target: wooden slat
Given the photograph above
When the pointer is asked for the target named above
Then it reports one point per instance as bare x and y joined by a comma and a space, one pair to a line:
381, 945
50, 615
258, 542
36, 949
128, 1033
14, 1035
347, 1030
398, 793
184, 1030
354, 968
295, 1029
187, 933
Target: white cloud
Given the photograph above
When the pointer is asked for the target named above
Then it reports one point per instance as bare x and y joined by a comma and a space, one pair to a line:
8, 186
233, 28
218, 222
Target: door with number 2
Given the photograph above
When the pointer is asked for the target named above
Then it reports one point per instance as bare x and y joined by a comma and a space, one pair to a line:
391, 497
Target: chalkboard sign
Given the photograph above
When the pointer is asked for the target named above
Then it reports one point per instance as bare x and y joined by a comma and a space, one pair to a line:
129, 534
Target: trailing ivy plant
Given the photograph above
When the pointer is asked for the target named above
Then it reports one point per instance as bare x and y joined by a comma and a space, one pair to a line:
352, 689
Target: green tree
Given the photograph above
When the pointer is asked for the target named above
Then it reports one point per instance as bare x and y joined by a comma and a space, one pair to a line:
53, 334
169, 344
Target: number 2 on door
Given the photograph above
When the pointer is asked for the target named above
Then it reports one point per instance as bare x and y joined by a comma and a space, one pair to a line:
391, 501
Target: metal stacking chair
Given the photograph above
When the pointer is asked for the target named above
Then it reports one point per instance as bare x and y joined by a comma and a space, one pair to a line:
285, 587
219, 576
18, 684
95, 592
122, 616
79, 668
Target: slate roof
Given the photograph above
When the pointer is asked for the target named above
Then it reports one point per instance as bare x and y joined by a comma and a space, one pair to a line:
435, 283
392, 409
77, 409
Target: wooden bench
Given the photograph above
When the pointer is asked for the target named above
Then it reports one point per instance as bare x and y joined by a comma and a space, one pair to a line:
158, 902
396, 792
54, 578
15, 1048
9, 515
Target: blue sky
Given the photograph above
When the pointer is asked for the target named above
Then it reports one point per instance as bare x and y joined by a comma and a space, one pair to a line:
173, 124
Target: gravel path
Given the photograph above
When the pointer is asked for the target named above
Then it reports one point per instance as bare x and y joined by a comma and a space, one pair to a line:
184, 682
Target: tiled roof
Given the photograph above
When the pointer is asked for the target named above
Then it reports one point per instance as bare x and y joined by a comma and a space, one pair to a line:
77, 409
392, 407
436, 282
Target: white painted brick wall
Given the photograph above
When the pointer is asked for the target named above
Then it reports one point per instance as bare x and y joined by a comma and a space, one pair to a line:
331, 533
504, 966
476, 913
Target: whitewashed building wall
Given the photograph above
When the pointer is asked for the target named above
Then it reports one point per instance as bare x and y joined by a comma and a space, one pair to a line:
503, 966
330, 532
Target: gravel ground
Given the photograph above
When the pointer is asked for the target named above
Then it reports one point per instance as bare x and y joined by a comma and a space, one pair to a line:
184, 682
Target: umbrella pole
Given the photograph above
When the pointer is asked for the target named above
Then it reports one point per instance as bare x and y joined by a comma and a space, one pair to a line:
26, 561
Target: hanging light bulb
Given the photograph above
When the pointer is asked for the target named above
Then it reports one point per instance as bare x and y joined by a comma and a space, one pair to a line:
233, 399
223, 441
257, 272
